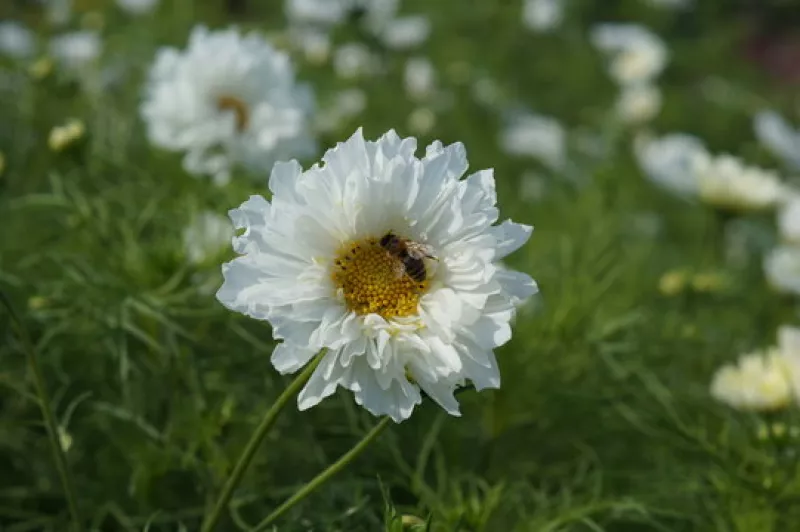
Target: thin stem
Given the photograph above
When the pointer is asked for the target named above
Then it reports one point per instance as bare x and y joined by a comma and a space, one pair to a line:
64, 472
255, 440
323, 477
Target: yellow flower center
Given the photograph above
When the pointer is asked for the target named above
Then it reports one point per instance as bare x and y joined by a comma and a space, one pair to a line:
239, 108
373, 281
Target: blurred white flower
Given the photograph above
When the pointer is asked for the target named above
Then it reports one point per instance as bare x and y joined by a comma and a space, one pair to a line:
789, 220
16, 40
398, 33
406, 32
725, 181
542, 15
536, 136
782, 269
760, 382
354, 60
681, 164
137, 7
344, 105
206, 237
779, 137
638, 55
76, 50
487, 91
668, 160
421, 121
315, 44
313, 264
419, 78
322, 12
228, 98
637, 104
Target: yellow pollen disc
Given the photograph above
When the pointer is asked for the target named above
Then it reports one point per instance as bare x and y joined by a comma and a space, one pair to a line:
239, 108
368, 277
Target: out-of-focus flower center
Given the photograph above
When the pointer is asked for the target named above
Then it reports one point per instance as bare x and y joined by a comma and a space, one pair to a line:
373, 280
239, 108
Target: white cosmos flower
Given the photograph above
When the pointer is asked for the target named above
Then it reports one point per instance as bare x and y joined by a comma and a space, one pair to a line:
228, 98
312, 265
782, 269
320, 12
779, 137
137, 7
537, 136
76, 50
206, 236
638, 103
354, 60
760, 382
681, 164
16, 40
638, 55
542, 15
396, 32
419, 78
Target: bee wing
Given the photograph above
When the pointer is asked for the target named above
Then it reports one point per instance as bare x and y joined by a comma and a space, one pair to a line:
420, 251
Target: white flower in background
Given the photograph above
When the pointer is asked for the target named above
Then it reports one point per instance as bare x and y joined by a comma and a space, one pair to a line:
638, 55
344, 105
16, 40
789, 220
315, 44
317, 263
760, 382
726, 182
320, 12
206, 236
637, 104
782, 269
536, 136
779, 137
542, 15
77, 50
421, 121
137, 7
419, 78
396, 32
681, 164
227, 99
354, 60
668, 160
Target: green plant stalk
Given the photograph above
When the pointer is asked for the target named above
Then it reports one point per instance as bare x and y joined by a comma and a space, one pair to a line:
255, 440
64, 473
323, 477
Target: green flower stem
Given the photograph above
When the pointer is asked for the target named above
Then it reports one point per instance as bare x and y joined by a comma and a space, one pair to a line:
255, 440
47, 413
323, 477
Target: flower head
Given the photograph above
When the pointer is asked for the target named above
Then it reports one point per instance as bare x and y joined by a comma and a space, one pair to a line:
16, 40
536, 136
228, 98
681, 164
782, 269
76, 50
638, 55
542, 15
386, 261
760, 381
206, 236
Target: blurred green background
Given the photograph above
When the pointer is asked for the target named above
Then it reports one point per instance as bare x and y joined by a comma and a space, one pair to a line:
603, 421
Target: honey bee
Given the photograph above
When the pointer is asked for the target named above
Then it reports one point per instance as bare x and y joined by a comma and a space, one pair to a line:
410, 256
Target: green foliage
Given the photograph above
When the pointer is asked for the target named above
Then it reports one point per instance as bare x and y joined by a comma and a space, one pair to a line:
603, 421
